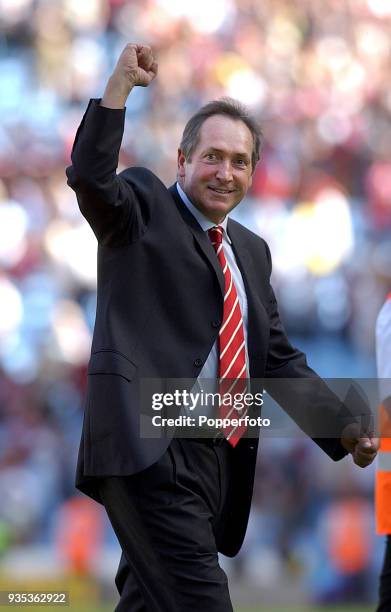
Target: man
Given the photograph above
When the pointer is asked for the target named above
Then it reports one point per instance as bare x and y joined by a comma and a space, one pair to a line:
183, 293
383, 471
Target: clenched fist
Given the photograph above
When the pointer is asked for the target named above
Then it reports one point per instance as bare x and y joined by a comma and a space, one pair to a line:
363, 447
136, 66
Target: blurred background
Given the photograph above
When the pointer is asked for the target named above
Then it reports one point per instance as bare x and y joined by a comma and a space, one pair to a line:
317, 75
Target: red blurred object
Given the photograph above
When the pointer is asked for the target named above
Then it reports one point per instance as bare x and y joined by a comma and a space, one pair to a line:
271, 179
378, 186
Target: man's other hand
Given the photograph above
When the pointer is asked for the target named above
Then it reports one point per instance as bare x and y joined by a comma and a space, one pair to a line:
362, 446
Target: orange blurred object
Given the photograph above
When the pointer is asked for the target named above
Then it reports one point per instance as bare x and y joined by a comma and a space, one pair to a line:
348, 535
79, 533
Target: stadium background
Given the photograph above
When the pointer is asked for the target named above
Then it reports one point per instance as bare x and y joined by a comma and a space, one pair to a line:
317, 74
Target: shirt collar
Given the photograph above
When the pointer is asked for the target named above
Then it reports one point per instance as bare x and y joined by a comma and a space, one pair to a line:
204, 222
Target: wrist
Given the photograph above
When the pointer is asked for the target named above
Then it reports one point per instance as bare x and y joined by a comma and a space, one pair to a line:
116, 93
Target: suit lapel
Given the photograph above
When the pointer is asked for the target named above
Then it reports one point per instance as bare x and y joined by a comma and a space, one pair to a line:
199, 235
242, 256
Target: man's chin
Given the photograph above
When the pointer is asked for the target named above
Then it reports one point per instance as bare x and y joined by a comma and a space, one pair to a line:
216, 211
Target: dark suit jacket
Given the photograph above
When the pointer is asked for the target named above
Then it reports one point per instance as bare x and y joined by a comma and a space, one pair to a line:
159, 308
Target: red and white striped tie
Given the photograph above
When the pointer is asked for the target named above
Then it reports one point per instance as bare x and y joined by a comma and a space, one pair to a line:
232, 362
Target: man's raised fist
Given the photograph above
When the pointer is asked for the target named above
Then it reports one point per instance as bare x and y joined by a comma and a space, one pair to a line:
136, 66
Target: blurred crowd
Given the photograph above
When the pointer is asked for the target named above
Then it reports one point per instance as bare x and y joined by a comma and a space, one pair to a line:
317, 75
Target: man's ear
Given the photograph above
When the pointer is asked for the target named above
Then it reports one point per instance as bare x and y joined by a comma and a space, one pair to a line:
181, 164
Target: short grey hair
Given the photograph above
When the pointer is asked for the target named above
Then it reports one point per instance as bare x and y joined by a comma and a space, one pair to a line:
224, 106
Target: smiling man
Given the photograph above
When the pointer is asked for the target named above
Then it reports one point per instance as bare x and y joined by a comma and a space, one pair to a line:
183, 293
216, 171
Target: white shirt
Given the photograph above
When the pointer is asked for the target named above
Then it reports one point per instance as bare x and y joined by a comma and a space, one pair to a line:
383, 349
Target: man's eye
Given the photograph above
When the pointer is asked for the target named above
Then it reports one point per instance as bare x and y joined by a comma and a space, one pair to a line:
241, 162
211, 156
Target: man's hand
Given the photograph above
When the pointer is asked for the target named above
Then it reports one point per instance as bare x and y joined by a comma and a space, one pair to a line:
363, 447
136, 66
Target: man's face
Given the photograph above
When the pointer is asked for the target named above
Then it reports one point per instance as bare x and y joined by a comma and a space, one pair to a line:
219, 174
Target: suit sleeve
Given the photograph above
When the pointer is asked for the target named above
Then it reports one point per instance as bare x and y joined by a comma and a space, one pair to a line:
117, 206
302, 393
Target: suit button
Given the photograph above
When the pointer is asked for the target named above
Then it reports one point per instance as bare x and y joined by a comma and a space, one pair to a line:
216, 323
252, 447
198, 362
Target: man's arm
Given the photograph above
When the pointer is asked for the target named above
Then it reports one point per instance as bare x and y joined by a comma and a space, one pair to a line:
308, 400
110, 202
313, 405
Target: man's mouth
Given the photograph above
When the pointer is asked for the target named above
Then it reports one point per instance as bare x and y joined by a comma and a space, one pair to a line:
221, 191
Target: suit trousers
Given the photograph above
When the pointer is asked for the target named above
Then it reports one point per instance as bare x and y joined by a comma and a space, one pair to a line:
166, 519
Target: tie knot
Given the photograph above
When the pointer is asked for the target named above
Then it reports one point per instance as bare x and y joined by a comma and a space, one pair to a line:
216, 235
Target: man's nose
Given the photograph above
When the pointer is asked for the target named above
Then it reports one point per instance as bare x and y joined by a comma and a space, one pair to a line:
224, 171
